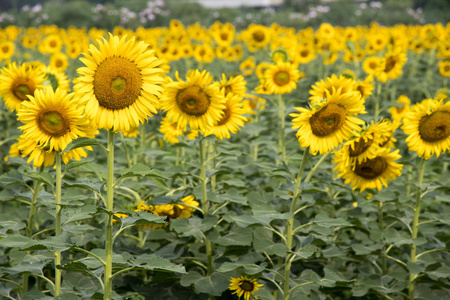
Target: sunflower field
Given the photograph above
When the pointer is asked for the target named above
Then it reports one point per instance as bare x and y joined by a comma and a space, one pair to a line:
208, 162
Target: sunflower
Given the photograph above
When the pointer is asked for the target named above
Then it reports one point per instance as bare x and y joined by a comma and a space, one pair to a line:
282, 78
371, 173
52, 119
55, 79
372, 65
51, 44
170, 130
204, 53
59, 61
231, 120
428, 128
392, 65
19, 82
133, 132
235, 85
223, 34
324, 127
176, 211
256, 37
120, 84
244, 286
6, 50
196, 102
444, 68
399, 112
365, 87
319, 90
247, 66
303, 54
364, 145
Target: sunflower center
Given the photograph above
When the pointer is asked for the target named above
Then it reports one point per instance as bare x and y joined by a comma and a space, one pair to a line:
247, 286
390, 64
52, 44
328, 119
58, 64
360, 147
373, 65
117, 83
371, 168
22, 88
304, 53
281, 78
193, 101
226, 116
5, 49
258, 36
224, 36
435, 127
52, 123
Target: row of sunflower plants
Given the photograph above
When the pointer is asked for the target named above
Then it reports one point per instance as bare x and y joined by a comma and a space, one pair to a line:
209, 163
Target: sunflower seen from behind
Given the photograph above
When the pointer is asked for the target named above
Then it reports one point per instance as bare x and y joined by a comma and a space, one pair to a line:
19, 82
327, 124
196, 102
120, 84
427, 125
244, 286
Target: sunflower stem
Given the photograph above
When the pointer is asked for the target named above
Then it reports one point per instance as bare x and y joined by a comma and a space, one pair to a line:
58, 222
377, 100
109, 218
281, 117
204, 181
290, 226
36, 188
416, 227
381, 225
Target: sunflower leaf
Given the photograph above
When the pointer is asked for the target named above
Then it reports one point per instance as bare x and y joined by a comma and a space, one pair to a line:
82, 142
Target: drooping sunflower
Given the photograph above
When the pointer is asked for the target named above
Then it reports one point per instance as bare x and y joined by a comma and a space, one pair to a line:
235, 85
244, 286
372, 173
19, 82
428, 128
282, 78
325, 126
52, 119
120, 84
231, 120
196, 102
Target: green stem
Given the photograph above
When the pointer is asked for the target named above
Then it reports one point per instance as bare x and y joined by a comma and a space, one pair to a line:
213, 178
58, 222
290, 226
416, 227
204, 181
377, 100
36, 188
281, 117
143, 137
381, 225
109, 218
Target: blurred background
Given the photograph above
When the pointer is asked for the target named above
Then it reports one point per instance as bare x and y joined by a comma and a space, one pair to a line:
153, 13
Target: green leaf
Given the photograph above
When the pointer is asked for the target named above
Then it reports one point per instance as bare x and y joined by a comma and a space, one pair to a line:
364, 250
441, 272
81, 142
415, 268
260, 217
190, 278
36, 295
83, 213
141, 170
214, 285
237, 237
263, 243
143, 218
154, 262
75, 164
43, 177
250, 269
76, 266
35, 268
323, 220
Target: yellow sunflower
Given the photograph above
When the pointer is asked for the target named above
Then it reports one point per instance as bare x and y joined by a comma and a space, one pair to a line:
235, 85
256, 37
319, 91
282, 78
372, 65
248, 66
391, 65
428, 128
399, 112
51, 44
444, 68
372, 173
133, 132
6, 50
365, 87
324, 127
170, 130
55, 79
19, 82
303, 54
59, 61
231, 120
244, 286
196, 102
364, 145
120, 84
52, 119
261, 69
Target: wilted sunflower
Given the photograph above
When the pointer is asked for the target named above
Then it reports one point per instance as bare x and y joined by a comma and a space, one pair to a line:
120, 84
197, 102
231, 119
52, 120
324, 127
244, 286
282, 78
372, 173
428, 128
19, 82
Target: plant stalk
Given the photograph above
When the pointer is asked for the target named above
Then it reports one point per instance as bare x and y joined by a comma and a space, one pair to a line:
58, 222
281, 117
